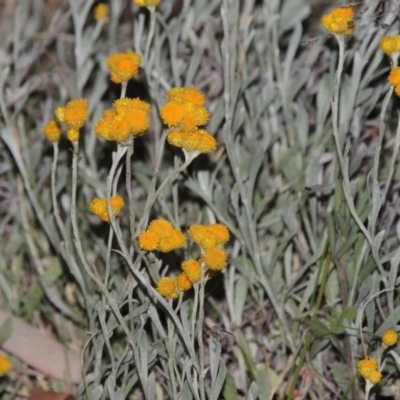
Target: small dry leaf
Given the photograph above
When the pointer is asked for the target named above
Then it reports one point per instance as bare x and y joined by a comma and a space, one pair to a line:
38, 394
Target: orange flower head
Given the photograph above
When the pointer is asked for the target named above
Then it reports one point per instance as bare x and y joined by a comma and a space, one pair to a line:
203, 237
394, 76
52, 131
74, 114
192, 268
172, 113
199, 140
148, 241
119, 130
123, 66
215, 259
397, 90
388, 45
221, 232
99, 207
124, 105
160, 225
183, 283
176, 93
375, 376
139, 122
196, 115
366, 366
339, 21
184, 109
73, 134
101, 12
166, 287
128, 117
390, 337
5, 365
117, 202
169, 238
147, 3
194, 96
172, 241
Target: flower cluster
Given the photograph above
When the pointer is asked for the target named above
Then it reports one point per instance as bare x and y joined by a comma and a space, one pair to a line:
185, 111
74, 115
52, 131
127, 117
99, 207
5, 365
147, 3
123, 66
209, 238
161, 235
170, 287
368, 369
390, 337
339, 21
390, 44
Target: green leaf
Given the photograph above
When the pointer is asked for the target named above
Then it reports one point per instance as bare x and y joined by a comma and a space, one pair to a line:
263, 383
6, 330
219, 383
241, 289
319, 329
229, 392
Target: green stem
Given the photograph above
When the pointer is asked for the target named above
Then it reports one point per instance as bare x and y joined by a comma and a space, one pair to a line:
200, 322
309, 336
344, 163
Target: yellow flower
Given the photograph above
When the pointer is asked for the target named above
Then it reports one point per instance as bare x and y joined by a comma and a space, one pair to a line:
173, 240
221, 232
162, 236
128, 117
101, 12
5, 365
192, 269
183, 282
160, 225
74, 114
339, 20
172, 113
375, 376
184, 109
52, 131
390, 337
147, 3
388, 45
117, 202
366, 366
123, 66
215, 259
136, 112
148, 241
73, 134
209, 236
394, 76
99, 207
194, 116
199, 140
186, 95
397, 90
166, 287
